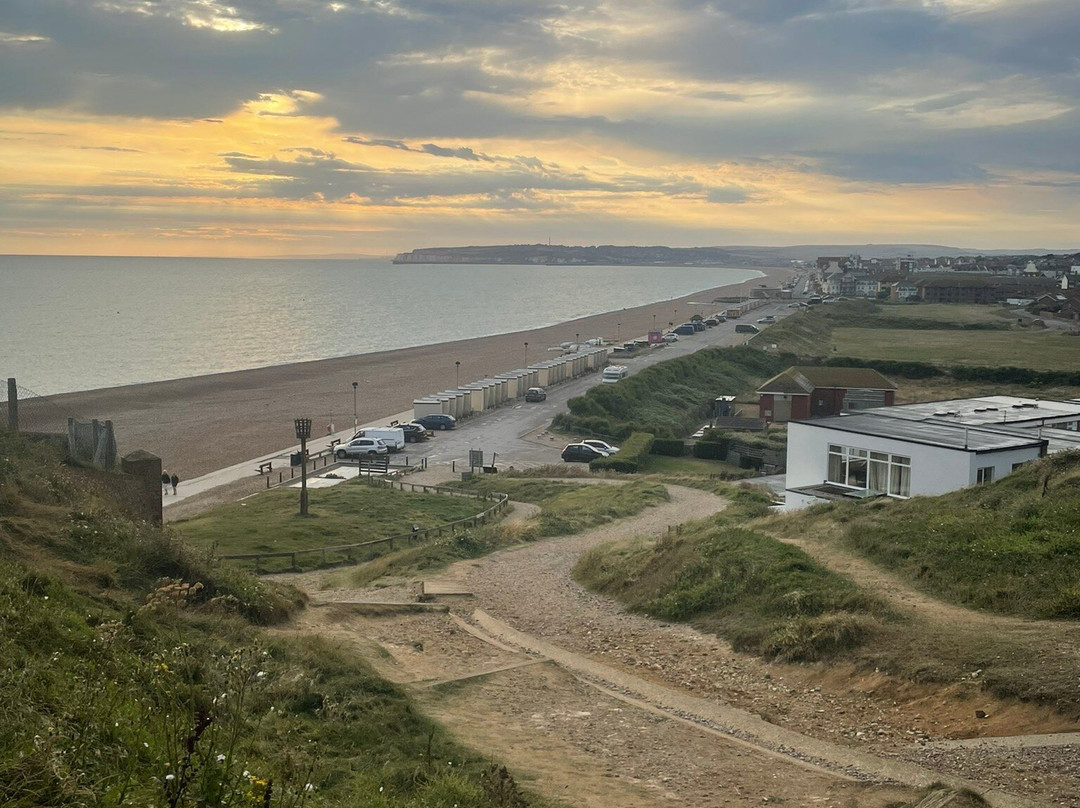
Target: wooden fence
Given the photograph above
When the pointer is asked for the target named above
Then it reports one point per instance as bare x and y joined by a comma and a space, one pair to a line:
501, 501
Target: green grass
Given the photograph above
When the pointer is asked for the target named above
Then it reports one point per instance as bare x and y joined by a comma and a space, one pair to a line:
1005, 547
693, 466
670, 399
347, 513
766, 597
568, 508
133, 674
1037, 350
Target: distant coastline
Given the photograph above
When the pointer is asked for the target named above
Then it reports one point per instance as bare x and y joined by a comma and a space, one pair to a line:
562, 255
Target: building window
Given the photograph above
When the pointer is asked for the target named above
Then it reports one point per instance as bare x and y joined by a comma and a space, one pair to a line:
984, 475
870, 471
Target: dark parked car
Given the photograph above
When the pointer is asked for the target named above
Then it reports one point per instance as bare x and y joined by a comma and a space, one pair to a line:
699, 325
534, 394
685, 330
711, 322
580, 453
437, 421
414, 433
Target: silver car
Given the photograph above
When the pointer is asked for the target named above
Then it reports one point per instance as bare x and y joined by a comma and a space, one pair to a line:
359, 447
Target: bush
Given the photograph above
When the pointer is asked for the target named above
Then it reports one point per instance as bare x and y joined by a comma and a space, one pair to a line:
668, 447
711, 449
632, 454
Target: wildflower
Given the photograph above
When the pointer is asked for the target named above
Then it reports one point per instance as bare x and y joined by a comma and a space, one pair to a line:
170, 777
310, 787
220, 758
260, 675
246, 773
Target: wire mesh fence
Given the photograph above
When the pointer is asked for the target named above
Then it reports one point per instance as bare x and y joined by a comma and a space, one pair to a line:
30, 413
23, 410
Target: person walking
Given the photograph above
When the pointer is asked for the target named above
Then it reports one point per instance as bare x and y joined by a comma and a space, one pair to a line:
175, 482
165, 480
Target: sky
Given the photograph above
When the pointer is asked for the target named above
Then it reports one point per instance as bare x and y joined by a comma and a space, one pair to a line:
317, 127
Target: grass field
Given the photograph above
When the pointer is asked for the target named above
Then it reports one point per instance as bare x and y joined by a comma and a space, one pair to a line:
1026, 349
568, 507
347, 513
946, 313
764, 596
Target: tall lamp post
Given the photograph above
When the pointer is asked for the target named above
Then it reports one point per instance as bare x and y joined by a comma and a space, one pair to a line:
457, 375
654, 322
355, 420
526, 354
618, 332
303, 432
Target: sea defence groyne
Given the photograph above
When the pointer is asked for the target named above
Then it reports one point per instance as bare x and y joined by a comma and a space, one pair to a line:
504, 388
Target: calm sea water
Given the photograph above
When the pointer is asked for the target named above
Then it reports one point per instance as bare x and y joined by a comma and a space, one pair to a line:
79, 323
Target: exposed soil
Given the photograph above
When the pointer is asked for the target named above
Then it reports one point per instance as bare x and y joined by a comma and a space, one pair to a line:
529, 716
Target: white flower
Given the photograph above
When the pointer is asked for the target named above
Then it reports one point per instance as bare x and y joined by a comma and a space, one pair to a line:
308, 787
260, 675
220, 758
170, 776
246, 773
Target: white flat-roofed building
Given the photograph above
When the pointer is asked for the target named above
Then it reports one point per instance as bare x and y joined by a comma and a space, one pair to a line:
923, 449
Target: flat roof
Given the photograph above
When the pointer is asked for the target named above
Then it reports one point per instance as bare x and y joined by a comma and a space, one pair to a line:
930, 433
986, 410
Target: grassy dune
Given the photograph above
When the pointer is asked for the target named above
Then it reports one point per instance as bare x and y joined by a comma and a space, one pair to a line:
133, 672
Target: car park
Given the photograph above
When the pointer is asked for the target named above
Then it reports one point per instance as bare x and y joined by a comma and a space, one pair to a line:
535, 394
671, 336
580, 453
601, 446
360, 447
437, 421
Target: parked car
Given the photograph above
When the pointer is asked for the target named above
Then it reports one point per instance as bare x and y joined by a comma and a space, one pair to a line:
580, 453
671, 336
437, 421
747, 328
684, 330
699, 325
392, 436
427, 432
711, 322
414, 433
360, 447
768, 318
534, 394
601, 446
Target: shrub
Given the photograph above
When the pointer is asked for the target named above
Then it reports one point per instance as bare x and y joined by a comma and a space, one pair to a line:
711, 449
632, 454
668, 447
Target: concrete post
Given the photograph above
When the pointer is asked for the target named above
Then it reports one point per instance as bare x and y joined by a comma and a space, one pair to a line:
13, 405
147, 469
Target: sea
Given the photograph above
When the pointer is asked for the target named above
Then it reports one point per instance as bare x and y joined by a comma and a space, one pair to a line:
79, 323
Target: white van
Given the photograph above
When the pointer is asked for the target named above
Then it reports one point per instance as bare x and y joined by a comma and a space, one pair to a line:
393, 437
614, 373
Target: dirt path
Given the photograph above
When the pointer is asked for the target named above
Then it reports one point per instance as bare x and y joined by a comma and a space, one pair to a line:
530, 589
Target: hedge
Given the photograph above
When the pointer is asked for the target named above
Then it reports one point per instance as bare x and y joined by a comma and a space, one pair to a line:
668, 447
711, 449
632, 454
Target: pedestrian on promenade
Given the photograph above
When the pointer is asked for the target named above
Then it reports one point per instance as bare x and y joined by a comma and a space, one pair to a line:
175, 482
165, 480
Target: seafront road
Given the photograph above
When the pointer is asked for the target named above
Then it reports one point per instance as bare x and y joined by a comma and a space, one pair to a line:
509, 432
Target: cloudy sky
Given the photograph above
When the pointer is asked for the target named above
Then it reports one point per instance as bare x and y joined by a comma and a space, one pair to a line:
265, 127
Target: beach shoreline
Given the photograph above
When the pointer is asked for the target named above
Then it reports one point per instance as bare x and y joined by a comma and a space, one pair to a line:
200, 424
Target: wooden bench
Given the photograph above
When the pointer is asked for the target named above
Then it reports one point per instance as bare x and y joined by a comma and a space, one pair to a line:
335, 442
265, 468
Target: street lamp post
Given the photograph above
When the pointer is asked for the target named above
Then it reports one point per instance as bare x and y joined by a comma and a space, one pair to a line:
618, 332
303, 432
355, 419
577, 339
526, 354
457, 376
654, 322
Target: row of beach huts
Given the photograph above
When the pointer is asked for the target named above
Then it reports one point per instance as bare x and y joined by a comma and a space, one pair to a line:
504, 388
